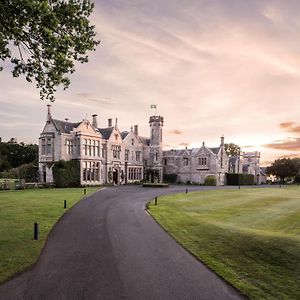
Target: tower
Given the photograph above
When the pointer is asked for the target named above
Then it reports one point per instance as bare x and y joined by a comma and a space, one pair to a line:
156, 154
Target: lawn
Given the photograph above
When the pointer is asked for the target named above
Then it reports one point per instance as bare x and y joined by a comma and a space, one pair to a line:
250, 237
18, 212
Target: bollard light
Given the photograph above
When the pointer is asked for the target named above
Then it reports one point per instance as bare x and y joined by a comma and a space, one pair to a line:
36, 231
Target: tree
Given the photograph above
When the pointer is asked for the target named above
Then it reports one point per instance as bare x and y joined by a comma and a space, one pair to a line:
284, 168
43, 39
232, 149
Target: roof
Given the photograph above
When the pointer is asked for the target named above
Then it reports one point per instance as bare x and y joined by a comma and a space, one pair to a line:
106, 132
65, 127
215, 150
175, 152
144, 141
124, 134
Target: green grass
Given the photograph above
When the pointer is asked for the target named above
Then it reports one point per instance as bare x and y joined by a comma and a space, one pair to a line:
18, 212
250, 237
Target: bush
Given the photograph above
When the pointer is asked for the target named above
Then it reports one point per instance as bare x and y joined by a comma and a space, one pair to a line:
66, 173
155, 185
170, 178
210, 180
240, 179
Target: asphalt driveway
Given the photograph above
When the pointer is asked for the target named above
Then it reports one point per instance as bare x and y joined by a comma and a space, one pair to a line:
108, 247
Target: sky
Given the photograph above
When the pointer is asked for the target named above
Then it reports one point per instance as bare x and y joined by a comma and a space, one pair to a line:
212, 67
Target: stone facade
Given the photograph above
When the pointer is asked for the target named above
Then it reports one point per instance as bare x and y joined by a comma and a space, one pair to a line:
194, 165
251, 165
106, 155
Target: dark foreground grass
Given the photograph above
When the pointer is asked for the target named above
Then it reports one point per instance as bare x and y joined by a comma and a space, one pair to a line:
249, 237
18, 212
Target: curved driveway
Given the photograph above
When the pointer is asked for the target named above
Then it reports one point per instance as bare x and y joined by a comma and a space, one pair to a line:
108, 247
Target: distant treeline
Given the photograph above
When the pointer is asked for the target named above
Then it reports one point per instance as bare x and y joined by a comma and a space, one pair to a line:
18, 160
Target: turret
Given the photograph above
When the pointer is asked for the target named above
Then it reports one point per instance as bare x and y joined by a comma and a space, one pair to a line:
156, 124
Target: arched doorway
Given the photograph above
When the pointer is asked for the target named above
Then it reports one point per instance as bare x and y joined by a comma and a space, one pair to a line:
115, 176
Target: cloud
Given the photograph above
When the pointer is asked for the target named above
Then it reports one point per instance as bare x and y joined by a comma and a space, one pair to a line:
184, 144
289, 144
290, 127
176, 132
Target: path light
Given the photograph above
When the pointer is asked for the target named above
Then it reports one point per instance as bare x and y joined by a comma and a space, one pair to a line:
84, 191
36, 231
65, 203
155, 201
186, 191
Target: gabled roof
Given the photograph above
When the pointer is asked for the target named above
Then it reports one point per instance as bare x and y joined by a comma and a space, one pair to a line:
63, 126
215, 150
144, 141
106, 132
175, 152
124, 134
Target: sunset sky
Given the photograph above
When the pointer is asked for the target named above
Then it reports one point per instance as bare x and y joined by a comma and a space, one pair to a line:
212, 68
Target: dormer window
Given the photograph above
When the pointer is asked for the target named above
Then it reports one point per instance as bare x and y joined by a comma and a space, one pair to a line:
185, 161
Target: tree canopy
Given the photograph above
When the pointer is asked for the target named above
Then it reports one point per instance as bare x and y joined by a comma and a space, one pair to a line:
284, 168
232, 149
43, 39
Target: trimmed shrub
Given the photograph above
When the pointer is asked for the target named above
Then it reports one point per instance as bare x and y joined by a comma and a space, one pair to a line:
170, 178
155, 185
66, 173
239, 179
210, 180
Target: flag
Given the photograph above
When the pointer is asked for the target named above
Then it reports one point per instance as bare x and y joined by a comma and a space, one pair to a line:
153, 106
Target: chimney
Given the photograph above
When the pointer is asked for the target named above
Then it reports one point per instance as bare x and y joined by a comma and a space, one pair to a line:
109, 122
203, 144
136, 130
95, 123
49, 112
222, 140
66, 119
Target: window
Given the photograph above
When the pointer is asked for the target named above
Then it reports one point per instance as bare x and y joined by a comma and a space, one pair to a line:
138, 155
97, 148
165, 161
126, 154
89, 148
103, 150
85, 147
202, 161
132, 142
49, 147
69, 144
43, 146
91, 171
93, 148
185, 161
156, 156
116, 151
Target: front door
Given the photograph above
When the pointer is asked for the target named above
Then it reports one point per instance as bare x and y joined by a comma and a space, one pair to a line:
115, 176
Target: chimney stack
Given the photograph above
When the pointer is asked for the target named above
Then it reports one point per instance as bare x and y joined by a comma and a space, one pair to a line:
95, 123
49, 112
136, 130
66, 119
222, 140
109, 122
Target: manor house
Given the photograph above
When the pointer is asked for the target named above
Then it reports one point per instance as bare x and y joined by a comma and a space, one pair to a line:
108, 155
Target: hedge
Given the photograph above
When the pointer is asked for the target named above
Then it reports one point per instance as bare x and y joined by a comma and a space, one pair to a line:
240, 179
170, 178
66, 173
210, 180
